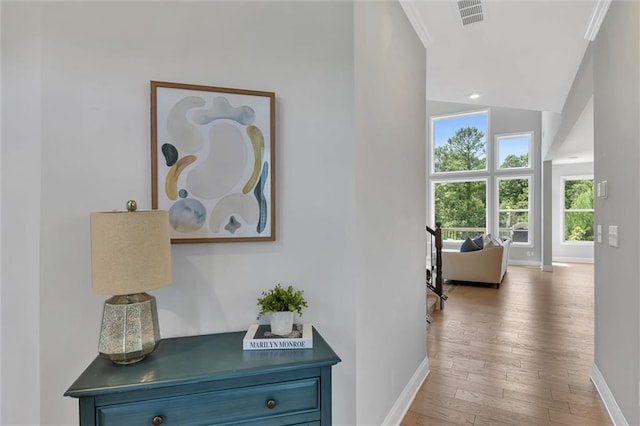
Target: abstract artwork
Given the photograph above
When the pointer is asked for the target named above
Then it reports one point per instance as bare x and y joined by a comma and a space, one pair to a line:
212, 162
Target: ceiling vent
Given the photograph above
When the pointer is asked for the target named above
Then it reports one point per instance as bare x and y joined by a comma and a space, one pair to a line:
470, 11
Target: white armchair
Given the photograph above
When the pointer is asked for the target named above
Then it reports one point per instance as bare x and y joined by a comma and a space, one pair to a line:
486, 266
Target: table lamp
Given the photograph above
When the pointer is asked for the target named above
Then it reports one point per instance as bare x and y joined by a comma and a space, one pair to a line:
130, 254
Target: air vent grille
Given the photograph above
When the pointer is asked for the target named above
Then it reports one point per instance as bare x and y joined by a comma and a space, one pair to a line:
470, 11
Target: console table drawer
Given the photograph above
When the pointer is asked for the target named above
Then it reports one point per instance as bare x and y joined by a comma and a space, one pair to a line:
231, 405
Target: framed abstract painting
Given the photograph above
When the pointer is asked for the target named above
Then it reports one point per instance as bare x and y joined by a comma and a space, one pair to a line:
213, 162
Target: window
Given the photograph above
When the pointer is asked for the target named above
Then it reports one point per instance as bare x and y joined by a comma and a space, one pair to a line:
513, 151
461, 208
578, 209
459, 142
479, 187
513, 208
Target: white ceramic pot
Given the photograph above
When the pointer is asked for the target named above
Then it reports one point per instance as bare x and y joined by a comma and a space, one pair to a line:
281, 323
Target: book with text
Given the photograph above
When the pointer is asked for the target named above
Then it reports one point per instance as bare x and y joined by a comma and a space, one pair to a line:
259, 337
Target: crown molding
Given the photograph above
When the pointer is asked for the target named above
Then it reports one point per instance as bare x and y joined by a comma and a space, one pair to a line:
597, 16
417, 22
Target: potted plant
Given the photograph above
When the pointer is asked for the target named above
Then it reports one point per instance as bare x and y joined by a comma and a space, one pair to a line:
282, 303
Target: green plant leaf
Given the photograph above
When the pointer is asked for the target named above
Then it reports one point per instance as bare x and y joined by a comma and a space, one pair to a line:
279, 299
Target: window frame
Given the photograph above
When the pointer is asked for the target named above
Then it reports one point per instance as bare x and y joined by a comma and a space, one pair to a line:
432, 148
458, 179
565, 210
498, 137
530, 200
461, 179
491, 175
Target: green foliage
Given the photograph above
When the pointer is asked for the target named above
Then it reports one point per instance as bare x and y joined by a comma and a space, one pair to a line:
578, 234
279, 299
513, 161
578, 195
466, 150
464, 204
514, 194
461, 204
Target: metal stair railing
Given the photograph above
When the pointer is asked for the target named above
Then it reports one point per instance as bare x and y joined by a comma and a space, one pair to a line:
434, 266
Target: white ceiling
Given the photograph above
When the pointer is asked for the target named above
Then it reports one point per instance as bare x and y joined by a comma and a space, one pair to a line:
524, 54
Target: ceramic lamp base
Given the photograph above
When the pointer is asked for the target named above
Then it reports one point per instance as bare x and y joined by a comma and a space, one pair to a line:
129, 328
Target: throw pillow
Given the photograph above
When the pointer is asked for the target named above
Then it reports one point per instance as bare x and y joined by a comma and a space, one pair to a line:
478, 241
468, 245
490, 244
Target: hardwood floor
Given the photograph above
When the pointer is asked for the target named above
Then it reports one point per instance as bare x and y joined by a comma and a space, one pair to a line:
519, 355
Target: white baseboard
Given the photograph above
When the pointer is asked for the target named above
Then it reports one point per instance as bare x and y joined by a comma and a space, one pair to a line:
615, 413
402, 404
573, 259
518, 262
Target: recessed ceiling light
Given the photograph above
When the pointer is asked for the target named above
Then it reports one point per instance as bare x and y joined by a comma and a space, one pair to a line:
474, 95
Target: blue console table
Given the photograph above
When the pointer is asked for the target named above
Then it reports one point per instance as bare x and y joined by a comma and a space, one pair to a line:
210, 380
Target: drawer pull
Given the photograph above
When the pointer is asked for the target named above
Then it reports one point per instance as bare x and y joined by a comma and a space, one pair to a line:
271, 404
157, 420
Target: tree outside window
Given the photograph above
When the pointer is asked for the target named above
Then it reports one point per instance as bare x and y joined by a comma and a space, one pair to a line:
465, 150
460, 143
513, 151
459, 146
461, 208
578, 210
463, 180
513, 208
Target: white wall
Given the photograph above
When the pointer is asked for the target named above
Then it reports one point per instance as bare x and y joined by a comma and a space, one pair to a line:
568, 251
551, 122
21, 213
390, 69
616, 103
0, 219
76, 94
560, 128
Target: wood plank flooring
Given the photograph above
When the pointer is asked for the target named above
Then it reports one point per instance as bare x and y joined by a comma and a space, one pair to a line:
518, 355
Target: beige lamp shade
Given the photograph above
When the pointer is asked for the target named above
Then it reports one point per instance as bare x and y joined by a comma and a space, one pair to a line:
130, 251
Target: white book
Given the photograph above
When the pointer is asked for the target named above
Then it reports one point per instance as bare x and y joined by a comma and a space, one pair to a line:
259, 337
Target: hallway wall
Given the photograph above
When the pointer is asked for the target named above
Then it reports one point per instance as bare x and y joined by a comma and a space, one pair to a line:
616, 102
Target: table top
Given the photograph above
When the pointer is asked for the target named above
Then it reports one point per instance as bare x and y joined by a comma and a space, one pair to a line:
191, 359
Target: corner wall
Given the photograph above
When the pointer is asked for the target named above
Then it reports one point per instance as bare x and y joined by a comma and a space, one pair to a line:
390, 76
616, 102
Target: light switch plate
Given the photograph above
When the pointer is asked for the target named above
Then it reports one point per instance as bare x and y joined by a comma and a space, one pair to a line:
599, 233
603, 189
613, 235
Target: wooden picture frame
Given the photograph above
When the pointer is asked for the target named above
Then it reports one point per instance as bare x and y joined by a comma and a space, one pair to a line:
213, 162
